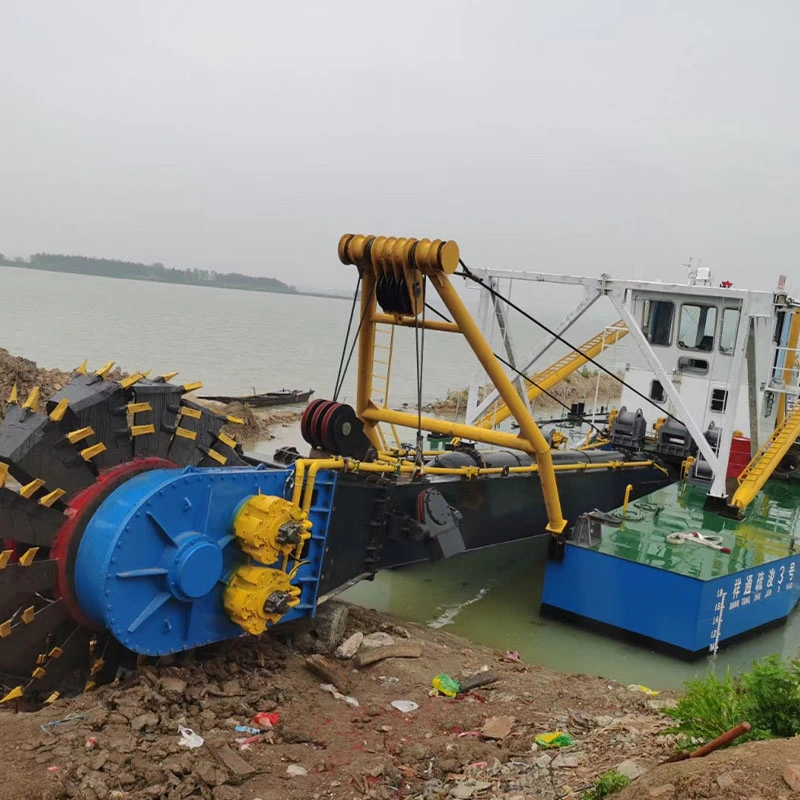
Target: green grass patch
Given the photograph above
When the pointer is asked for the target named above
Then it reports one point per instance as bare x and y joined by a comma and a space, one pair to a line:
768, 697
608, 783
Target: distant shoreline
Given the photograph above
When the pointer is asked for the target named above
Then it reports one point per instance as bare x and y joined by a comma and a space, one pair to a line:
217, 284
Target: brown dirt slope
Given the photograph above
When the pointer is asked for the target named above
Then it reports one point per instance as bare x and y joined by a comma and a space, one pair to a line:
122, 741
26, 374
370, 751
573, 389
752, 771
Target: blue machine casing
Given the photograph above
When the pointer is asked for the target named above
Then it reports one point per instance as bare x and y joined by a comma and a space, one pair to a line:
156, 556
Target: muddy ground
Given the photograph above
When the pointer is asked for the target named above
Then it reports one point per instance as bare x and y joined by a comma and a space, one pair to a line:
123, 741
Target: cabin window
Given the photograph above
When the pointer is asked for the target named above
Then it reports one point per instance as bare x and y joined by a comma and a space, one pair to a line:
730, 327
696, 331
657, 392
719, 400
657, 316
697, 366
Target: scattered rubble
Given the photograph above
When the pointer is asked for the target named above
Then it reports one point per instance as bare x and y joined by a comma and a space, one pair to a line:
377, 639
497, 727
630, 769
309, 743
791, 774
349, 647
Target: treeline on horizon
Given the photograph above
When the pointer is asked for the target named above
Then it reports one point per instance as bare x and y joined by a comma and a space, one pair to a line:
113, 268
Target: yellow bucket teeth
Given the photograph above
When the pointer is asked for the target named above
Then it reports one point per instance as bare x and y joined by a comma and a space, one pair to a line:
57, 414
105, 369
14, 694
32, 401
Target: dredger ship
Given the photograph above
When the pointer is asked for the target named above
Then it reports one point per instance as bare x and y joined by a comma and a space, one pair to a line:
134, 526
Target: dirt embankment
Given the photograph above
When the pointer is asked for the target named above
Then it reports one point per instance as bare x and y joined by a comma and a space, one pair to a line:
575, 388
26, 374
257, 423
123, 741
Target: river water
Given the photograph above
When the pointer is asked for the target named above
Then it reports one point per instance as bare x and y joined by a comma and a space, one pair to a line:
235, 341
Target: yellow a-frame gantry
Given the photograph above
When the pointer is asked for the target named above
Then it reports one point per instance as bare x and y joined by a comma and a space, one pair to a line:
392, 271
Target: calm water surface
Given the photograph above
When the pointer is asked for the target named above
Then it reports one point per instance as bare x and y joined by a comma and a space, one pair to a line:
235, 341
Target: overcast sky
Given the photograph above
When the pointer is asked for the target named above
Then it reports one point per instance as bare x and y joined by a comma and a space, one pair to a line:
561, 136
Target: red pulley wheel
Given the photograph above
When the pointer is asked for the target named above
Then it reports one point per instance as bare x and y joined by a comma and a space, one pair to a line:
328, 426
314, 425
305, 420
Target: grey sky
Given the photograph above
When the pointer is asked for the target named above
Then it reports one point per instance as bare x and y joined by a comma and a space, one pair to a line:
566, 136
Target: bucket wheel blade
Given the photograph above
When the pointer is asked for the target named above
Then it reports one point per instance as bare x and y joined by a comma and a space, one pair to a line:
199, 439
38, 449
63, 665
26, 635
100, 406
27, 520
19, 583
155, 417
48, 458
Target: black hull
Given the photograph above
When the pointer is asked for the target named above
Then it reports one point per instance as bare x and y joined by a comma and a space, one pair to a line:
494, 511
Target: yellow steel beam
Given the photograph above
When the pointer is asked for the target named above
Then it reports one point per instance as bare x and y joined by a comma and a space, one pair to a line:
528, 427
303, 487
765, 461
366, 354
789, 365
449, 428
413, 322
556, 372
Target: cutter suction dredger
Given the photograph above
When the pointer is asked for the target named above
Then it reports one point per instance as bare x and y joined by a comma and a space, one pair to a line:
134, 524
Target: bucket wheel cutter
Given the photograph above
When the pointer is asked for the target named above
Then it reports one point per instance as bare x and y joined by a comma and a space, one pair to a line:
59, 459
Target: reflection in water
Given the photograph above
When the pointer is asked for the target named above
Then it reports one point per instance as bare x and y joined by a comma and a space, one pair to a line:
491, 597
